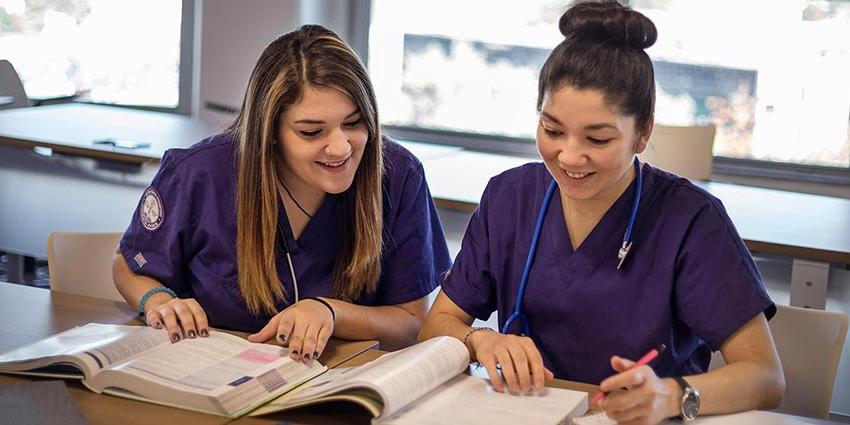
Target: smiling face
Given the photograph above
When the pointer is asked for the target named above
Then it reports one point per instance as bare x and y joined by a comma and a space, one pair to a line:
587, 146
322, 138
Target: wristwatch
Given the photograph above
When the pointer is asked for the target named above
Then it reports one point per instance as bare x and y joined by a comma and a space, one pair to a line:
690, 400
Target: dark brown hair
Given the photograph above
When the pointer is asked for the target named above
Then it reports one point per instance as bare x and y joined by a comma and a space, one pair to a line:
603, 49
311, 55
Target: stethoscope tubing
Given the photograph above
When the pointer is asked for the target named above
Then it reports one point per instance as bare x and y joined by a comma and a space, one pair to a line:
285, 245
532, 249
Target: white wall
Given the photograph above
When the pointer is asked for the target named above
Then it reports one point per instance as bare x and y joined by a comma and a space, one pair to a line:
231, 34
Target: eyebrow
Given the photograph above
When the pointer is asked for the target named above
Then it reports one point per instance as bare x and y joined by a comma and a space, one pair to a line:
309, 121
597, 126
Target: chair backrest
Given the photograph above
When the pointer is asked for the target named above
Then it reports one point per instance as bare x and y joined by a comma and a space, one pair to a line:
686, 151
81, 263
11, 86
809, 343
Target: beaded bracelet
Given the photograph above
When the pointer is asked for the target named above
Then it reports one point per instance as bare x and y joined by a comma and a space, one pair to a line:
472, 331
149, 294
327, 304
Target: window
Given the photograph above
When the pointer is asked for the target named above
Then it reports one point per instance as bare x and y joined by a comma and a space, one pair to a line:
105, 51
774, 84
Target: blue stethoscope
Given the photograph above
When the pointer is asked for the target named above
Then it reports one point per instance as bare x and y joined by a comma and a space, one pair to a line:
621, 254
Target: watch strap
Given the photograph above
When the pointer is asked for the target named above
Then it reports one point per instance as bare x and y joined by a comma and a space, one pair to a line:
683, 384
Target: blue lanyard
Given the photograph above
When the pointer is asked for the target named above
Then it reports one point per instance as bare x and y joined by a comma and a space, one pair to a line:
532, 250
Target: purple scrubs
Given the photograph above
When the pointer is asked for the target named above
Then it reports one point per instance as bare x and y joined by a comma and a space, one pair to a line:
689, 282
184, 235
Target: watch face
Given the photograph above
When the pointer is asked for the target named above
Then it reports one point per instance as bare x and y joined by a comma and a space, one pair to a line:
690, 405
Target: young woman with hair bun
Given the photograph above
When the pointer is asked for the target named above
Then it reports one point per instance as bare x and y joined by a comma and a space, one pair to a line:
592, 258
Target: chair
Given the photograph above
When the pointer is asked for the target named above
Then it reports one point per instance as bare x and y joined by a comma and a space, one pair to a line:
809, 343
686, 151
11, 87
81, 263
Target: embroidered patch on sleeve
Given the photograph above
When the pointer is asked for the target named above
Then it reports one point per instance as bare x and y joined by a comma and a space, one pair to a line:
140, 260
152, 212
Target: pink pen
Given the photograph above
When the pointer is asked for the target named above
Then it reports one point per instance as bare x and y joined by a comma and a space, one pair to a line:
648, 357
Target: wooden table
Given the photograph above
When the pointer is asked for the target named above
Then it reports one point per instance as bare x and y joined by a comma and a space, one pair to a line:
30, 314
72, 128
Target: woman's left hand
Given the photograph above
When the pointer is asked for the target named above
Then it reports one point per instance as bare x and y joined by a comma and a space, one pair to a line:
638, 396
306, 326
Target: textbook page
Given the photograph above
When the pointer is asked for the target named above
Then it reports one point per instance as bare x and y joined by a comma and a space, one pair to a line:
227, 369
471, 400
407, 375
82, 346
396, 378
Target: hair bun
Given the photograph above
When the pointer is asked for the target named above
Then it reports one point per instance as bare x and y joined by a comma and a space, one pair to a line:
608, 22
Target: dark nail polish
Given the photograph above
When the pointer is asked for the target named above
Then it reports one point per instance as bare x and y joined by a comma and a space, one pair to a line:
157, 325
192, 334
316, 355
205, 333
294, 352
308, 356
175, 337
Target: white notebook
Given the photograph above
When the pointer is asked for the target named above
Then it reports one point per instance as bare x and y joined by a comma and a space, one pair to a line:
471, 400
744, 418
593, 419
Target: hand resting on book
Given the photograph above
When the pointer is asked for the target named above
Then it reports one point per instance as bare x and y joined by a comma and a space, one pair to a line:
182, 317
305, 326
517, 357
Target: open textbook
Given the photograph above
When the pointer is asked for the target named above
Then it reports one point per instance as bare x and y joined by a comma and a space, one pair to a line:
227, 375
425, 384
221, 374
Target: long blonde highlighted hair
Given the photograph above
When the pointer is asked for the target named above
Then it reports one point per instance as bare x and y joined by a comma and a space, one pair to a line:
311, 55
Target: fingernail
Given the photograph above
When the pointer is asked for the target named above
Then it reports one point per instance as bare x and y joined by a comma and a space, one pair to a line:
308, 356
157, 325
175, 337
205, 333
282, 339
316, 355
192, 334
295, 352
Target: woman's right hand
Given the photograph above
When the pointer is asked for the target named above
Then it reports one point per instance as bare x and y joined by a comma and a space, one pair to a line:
517, 357
181, 317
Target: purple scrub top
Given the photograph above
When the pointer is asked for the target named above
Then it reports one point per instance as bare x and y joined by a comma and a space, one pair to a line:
688, 282
183, 234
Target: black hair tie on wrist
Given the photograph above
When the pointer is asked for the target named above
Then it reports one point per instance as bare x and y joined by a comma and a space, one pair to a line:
326, 304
